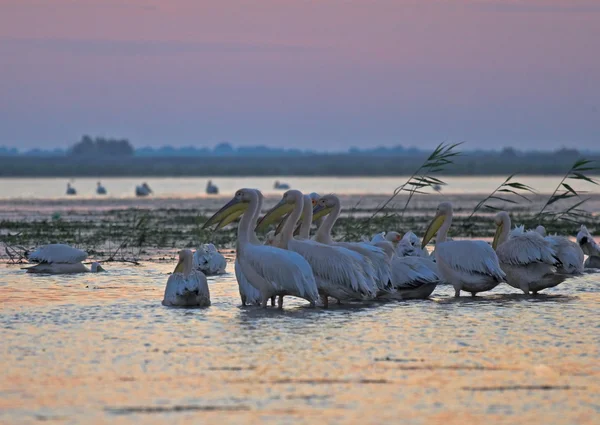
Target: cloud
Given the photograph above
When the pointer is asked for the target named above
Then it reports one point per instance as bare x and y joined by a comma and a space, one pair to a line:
98, 47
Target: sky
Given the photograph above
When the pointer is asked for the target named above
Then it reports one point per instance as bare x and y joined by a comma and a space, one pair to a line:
320, 74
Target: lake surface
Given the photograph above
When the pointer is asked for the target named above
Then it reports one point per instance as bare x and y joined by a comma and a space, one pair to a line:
54, 188
100, 348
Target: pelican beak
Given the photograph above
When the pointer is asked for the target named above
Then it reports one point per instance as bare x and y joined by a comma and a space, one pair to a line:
232, 207
100, 268
280, 225
497, 236
320, 211
179, 267
229, 219
274, 214
434, 226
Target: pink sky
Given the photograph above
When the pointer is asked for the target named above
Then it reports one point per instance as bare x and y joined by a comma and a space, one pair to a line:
301, 73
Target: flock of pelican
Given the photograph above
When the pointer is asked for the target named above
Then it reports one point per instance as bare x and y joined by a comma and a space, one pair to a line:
389, 266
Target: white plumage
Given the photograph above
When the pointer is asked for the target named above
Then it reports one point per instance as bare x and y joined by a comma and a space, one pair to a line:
569, 253
60, 259
526, 257
412, 278
589, 247
410, 246
186, 287
209, 260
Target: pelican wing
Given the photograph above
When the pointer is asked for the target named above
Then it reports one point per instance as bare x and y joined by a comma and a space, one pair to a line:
412, 272
209, 260
378, 258
191, 290
471, 257
410, 246
336, 265
286, 270
526, 248
248, 293
57, 253
379, 237
569, 253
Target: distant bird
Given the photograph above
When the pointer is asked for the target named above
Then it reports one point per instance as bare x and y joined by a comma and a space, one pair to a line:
211, 189
569, 253
143, 190
186, 287
280, 186
60, 259
209, 260
71, 190
590, 247
100, 190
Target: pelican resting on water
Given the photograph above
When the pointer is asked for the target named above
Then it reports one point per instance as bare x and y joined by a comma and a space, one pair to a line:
273, 271
60, 259
209, 260
211, 189
186, 287
100, 190
337, 270
569, 253
71, 190
143, 190
590, 247
528, 259
470, 266
410, 246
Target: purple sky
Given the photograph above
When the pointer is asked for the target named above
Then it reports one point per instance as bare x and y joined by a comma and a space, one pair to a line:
309, 74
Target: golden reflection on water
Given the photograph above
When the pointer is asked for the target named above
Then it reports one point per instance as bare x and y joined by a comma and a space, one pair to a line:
95, 348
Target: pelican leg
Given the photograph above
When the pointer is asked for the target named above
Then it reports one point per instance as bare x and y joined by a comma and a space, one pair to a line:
325, 300
263, 303
473, 294
280, 302
339, 302
273, 301
244, 300
456, 293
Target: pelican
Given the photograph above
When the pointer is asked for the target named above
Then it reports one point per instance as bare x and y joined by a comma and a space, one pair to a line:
211, 189
186, 287
330, 206
273, 271
590, 247
280, 186
209, 260
338, 272
71, 190
100, 190
272, 239
410, 246
60, 259
526, 257
143, 190
470, 266
569, 253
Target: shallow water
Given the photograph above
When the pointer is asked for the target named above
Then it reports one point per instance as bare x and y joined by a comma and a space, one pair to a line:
95, 348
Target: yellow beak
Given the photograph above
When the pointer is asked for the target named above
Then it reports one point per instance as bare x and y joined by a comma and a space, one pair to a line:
230, 218
179, 267
280, 225
320, 211
434, 226
278, 211
232, 207
497, 236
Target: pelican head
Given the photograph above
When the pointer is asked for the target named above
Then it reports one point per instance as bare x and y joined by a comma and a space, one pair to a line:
237, 205
444, 210
283, 207
96, 267
502, 219
541, 230
184, 265
394, 237
324, 206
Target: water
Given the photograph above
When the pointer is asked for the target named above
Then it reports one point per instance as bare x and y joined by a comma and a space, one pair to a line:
54, 188
100, 348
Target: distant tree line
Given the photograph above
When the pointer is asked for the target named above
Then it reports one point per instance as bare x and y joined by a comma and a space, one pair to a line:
101, 146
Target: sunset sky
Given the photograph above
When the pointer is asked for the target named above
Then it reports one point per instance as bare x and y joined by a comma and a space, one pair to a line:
300, 73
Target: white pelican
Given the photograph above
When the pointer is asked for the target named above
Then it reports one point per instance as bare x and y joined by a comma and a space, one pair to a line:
186, 287
211, 189
71, 190
272, 239
273, 271
526, 257
470, 266
569, 253
280, 186
410, 246
100, 190
209, 260
338, 272
590, 247
143, 190
330, 206
60, 259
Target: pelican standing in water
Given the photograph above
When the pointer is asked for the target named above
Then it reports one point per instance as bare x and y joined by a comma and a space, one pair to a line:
589, 247
569, 253
338, 272
273, 271
186, 287
329, 206
526, 257
470, 266
60, 259
209, 260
